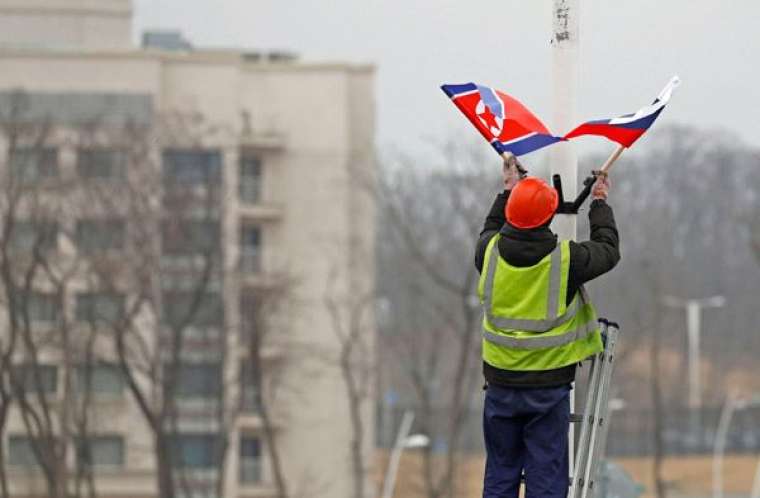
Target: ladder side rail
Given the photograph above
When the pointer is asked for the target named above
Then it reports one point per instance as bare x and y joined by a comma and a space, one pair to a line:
581, 456
603, 423
600, 410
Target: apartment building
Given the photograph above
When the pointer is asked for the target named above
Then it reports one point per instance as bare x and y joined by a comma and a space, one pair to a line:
284, 150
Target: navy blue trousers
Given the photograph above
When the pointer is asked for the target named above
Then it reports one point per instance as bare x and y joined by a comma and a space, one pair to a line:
526, 430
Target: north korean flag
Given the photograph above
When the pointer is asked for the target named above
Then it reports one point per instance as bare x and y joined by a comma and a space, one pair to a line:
503, 121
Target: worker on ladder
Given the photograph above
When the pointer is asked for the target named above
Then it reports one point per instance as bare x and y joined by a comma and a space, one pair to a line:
538, 325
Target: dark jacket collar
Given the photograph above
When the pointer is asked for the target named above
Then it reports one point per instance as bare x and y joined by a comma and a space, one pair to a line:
525, 247
540, 233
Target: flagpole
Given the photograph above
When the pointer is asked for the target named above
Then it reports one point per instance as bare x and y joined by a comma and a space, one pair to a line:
611, 160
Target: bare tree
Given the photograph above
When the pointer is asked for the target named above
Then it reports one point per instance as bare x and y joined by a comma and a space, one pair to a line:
171, 272
258, 312
36, 284
349, 313
432, 216
147, 268
677, 205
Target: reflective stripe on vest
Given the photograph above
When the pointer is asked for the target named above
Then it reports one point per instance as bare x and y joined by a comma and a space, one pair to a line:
528, 325
539, 341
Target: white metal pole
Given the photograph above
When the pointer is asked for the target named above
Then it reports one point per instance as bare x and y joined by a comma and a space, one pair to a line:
719, 447
756, 482
693, 312
395, 459
563, 161
693, 309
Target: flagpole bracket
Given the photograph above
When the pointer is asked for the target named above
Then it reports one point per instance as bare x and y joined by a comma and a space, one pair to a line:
573, 207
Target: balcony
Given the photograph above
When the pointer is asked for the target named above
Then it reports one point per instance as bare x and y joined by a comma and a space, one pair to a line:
258, 490
263, 140
259, 281
250, 472
250, 421
261, 211
250, 260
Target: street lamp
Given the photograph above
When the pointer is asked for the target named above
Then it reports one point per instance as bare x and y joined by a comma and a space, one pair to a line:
403, 441
756, 482
732, 405
693, 325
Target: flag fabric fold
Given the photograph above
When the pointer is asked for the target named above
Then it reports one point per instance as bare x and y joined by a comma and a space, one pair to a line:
502, 120
628, 128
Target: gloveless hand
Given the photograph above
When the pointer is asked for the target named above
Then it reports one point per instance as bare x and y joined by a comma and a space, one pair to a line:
601, 188
510, 174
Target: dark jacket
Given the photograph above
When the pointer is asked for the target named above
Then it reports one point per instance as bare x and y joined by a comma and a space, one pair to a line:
588, 260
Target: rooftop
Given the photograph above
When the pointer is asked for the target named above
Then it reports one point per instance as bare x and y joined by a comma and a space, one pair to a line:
249, 59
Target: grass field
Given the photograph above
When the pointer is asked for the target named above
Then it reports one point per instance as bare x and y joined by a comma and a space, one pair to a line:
685, 475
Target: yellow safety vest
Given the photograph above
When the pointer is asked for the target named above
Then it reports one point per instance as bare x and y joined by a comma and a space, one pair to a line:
527, 324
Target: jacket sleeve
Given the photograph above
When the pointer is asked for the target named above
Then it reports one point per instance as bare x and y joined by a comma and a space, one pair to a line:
494, 221
601, 253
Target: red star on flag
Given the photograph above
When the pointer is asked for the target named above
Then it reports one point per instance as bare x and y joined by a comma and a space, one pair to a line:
488, 118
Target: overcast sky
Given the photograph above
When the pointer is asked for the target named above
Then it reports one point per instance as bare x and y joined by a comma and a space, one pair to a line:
629, 50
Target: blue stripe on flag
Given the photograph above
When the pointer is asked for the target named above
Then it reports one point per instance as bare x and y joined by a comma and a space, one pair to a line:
642, 123
526, 145
454, 90
488, 96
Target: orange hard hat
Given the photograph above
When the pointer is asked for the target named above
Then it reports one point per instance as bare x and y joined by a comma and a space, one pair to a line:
531, 203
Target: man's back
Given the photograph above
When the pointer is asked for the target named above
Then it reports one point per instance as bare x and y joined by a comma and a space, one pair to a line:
588, 259
523, 248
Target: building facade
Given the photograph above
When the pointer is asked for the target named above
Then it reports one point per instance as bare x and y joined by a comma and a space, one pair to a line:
288, 149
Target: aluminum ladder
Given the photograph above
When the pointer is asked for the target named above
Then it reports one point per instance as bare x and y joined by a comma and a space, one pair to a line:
594, 419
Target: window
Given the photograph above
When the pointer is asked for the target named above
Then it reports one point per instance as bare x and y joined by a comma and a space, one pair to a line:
100, 379
190, 237
28, 235
194, 167
37, 378
196, 451
250, 178
100, 235
99, 306
250, 460
178, 309
101, 451
30, 164
250, 388
101, 163
250, 249
38, 306
21, 452
200, 380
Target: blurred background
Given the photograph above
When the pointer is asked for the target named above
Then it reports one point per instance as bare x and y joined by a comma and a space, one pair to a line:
237, 237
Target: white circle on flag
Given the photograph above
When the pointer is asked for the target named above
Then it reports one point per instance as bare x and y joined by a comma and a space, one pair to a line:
480, 111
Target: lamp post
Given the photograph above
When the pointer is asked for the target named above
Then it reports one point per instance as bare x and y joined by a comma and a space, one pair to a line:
563, 161
403, 441
756, 482
693, 327
732, 405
